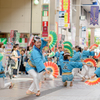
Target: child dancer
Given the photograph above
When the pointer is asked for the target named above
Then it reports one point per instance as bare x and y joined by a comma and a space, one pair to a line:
67, 68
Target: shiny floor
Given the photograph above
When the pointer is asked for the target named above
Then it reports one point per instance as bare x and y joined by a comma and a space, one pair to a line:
51, 90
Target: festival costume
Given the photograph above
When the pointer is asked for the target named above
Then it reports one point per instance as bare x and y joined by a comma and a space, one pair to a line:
35, 66
92, 53
85, 54
67, 68
57, 55
76, 58
97, 72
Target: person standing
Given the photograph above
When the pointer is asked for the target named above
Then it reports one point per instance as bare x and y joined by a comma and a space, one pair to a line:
22, 67
15, 57
35, 66
18, 53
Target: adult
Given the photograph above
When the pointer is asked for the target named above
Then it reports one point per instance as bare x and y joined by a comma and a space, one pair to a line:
15, 57
18, 53
35, 66
22, 67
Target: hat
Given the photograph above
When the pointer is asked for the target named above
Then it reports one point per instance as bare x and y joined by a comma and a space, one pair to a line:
36, 38
66, 54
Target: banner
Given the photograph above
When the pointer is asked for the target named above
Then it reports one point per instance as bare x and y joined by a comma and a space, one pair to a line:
17, 37
30, 41
11, 35
3, 40
66, 6
94, 15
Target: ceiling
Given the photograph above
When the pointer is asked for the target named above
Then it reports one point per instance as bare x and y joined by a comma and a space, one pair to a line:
86, 1
87, 4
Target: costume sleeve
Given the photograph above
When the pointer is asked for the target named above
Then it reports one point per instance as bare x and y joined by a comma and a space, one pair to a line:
1, 67
76, 64
75, 57
61, 63
44, 43
38, 61
97, 72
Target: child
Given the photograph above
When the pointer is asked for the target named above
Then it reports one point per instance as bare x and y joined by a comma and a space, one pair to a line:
2, 75
48, 75
67, 68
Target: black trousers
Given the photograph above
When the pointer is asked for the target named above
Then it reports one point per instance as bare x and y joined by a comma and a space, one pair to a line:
60, 69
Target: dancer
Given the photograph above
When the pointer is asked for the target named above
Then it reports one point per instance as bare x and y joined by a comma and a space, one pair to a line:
2, 74
57, 55
77, 58
67, 67
35, 66
96, 73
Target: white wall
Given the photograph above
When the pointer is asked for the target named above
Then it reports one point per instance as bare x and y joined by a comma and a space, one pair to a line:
15, 15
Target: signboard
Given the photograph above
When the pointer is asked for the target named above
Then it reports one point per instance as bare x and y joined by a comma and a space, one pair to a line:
61, 18
61, 6
8, 49
3, 40
45, 20
66, 6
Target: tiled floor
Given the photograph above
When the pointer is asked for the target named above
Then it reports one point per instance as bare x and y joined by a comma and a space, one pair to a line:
52, 90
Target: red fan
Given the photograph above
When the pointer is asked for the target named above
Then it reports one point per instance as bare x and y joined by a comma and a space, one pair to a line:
97, 56
94, 45
93, 81
54, 67
91, 61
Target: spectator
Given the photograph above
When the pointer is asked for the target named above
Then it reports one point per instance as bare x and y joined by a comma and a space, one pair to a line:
22, 67
15, 57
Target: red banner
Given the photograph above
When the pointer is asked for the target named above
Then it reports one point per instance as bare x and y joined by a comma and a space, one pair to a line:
11, 35
44, 34
61, 6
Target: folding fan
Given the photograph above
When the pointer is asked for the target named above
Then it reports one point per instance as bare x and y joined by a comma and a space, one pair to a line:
69, 49
51, 54
54, 67
93, 81
94, 45
1, 56
91, 61
46, 48
30, 52
52, 39
68, 43
97, 56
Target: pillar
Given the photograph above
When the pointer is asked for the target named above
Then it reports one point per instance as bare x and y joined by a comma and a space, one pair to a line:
92, 36
78, 13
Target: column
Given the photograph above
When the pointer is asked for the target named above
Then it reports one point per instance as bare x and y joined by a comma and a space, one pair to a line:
78, 13
92, 36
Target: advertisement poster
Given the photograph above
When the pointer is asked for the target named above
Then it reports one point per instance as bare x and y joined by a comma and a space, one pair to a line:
8, 49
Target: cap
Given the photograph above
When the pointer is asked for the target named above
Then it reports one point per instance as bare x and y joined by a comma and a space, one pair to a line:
67, 54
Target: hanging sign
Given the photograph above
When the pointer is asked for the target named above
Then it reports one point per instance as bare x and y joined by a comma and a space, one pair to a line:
45, 20
66, 6
11, 35
94, 15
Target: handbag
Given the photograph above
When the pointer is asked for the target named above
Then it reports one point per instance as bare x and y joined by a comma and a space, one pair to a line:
12, 62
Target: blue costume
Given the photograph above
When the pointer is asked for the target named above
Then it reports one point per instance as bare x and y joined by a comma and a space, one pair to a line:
1, 70
85, 54
74, 51
92, 53
97, 72
36, 58
76, 57
67, 68
57, 55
